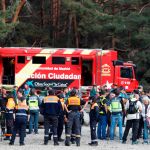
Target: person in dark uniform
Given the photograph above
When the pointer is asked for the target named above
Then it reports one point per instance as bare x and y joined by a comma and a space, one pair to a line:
94, 113
3, 101
10, 106
60, 119
73, 104
21, 118
50, 108
102, 124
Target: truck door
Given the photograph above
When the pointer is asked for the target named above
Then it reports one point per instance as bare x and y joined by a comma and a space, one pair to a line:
8, 70
125, 77
87, 71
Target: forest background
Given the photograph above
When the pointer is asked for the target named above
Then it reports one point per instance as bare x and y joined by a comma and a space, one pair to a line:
123, 25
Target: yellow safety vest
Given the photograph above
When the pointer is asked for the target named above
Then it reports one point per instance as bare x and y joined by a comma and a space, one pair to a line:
10, 104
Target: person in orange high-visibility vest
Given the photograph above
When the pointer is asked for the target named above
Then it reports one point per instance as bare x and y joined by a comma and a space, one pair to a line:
21, 118
50, 109
73, 104
10, 106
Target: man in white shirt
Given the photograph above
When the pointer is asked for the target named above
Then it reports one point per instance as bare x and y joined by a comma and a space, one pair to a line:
133, 108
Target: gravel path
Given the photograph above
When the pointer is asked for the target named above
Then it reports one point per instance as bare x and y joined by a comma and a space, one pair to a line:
35, 142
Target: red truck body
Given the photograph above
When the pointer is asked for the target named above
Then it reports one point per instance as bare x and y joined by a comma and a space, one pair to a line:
61, 67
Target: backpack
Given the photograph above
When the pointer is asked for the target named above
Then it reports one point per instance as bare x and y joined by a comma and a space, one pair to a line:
132, 107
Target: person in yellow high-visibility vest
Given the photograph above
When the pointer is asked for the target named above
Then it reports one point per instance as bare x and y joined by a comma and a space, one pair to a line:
10, 106
116, 115
33, 103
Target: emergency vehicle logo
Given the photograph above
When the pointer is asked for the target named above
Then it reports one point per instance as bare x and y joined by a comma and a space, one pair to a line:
30, 83
106, 70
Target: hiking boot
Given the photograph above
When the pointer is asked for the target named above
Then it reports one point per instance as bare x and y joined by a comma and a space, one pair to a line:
134, 142
73, 140
67, 144
145, 142
29, 132
22, 144
11, 143
45, 143
93, 144
36, 132
56, 143
60, 139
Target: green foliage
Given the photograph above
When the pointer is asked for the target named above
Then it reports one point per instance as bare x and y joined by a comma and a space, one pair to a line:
7, 27
119, 24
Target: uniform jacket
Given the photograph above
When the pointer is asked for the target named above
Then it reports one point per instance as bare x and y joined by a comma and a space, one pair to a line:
51, 105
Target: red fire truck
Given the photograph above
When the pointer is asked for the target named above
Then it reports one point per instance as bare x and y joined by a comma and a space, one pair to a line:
61, 67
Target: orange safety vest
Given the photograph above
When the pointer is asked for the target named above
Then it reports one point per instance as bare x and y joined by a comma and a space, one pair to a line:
22, 105
10, 104
74, 101
51, 99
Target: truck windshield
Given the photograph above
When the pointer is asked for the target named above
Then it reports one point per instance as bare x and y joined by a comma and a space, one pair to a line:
126, 72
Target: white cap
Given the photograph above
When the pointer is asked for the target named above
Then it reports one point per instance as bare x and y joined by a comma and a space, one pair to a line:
145, 98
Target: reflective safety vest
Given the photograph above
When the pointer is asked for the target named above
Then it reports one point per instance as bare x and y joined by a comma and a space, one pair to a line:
33, 103
62, 103
101, 105
21, 108
51, 99
10, 104
74, 101
93, 105
115, 105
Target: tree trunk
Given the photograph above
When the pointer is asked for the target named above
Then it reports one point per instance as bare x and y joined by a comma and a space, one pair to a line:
55, 14
3, 11
69, 30
18, 9
76, 31
42, 13
113, 42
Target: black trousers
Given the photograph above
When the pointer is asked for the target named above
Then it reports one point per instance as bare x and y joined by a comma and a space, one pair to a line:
19, 125
73, 120
93, 130
3, 122
141, 126
60, 126
134, 124
9, 122
50, 120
